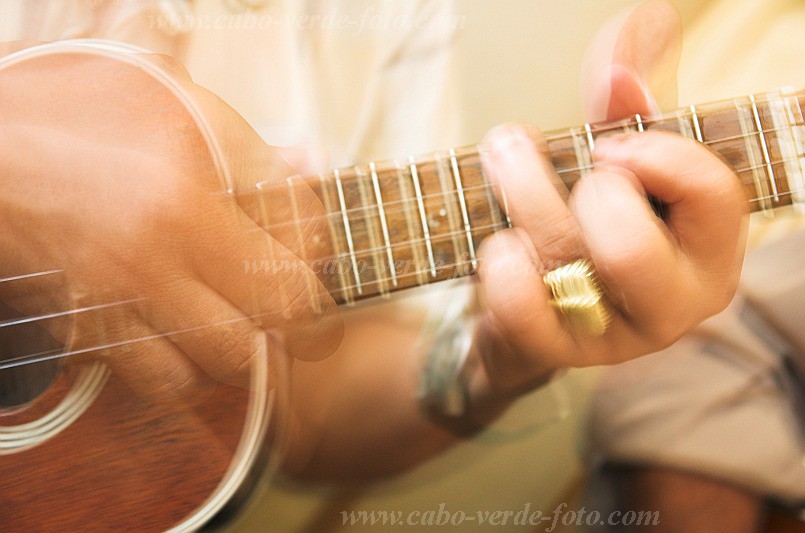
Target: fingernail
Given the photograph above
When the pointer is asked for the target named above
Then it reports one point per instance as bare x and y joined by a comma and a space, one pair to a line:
504, 136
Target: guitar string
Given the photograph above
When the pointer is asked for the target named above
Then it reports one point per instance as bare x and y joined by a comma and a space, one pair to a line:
27, 276
50, 355
49, 316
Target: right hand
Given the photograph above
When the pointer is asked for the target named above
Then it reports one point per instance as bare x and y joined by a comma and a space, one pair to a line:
106, 177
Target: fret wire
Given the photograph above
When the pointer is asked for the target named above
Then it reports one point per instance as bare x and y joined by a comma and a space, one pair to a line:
333, 234
610, 127
745, 135
409, 219
347, 230
696, 125
423, 216
497, 226
505, 206
590, 140
465, 264
32, 358
767, 162
366, 210
763, 146
450, 210
760, 191
58, 354
356, 210
583, 154
462, 202
494, 206
383, 224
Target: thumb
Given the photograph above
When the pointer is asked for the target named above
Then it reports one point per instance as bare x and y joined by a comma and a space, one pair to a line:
630, 66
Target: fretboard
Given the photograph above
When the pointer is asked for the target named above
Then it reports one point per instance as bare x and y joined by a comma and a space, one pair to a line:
402, 224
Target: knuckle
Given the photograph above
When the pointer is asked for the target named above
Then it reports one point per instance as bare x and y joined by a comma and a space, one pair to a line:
564, 241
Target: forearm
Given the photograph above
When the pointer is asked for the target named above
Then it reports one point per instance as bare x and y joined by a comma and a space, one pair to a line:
356, 416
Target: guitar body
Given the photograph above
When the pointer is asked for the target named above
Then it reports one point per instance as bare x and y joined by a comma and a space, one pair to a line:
81, 449
123, 464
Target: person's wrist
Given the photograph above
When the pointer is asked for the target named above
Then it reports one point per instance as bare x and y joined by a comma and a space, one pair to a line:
488, 396
471, 376
501, 371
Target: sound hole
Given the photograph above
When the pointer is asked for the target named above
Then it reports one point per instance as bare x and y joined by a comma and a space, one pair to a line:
20, 385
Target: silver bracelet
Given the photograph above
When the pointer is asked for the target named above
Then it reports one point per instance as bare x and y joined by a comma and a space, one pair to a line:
443, 384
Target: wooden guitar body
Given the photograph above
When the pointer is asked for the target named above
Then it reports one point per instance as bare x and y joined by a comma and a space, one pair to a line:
123, 464
80, 450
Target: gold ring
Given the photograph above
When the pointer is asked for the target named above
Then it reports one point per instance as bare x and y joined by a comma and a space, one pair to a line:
578, 294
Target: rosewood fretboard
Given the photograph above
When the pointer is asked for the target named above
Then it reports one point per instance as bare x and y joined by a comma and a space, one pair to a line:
402, 224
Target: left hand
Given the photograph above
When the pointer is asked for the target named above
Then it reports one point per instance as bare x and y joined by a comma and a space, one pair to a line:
662, 277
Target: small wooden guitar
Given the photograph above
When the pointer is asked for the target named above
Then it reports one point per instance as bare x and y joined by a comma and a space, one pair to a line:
80, 451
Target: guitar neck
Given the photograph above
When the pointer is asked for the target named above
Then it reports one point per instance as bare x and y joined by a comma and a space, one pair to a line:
402, 224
